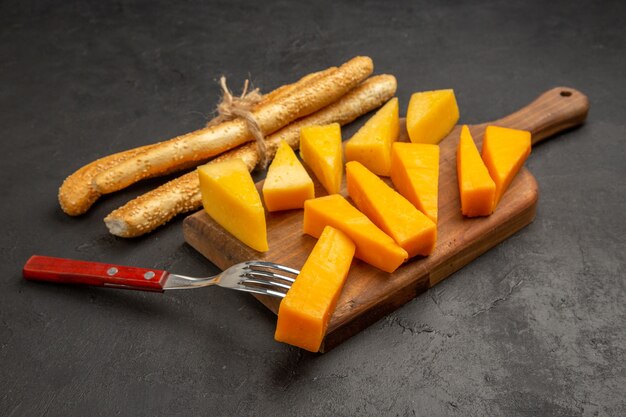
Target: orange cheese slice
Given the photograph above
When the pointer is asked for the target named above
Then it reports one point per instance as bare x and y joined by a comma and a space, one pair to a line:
230, 197
305, 311
476, 188
320, 148
504, 152
415, 174
431, 115
372, 244
394, 214
287, 184
371, 144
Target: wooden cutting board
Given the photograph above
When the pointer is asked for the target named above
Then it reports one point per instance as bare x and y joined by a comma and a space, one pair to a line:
369, 293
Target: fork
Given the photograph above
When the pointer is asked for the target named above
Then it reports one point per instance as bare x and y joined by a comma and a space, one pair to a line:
256, 277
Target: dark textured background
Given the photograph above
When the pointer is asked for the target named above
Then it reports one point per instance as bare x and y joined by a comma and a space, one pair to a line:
537, 326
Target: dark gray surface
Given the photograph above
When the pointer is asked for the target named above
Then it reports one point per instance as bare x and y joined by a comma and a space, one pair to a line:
537, 326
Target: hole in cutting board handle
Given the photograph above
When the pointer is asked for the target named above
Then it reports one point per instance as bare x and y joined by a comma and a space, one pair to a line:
566, 93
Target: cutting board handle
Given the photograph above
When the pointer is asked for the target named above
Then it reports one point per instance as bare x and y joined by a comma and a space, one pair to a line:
555, 110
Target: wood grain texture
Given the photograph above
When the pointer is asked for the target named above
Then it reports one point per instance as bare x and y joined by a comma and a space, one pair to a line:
369, 293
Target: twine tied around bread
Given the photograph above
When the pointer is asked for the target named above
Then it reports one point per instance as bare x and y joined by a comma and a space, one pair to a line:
232, 107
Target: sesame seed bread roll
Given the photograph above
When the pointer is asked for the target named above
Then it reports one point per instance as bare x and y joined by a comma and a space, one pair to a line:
149, 211
210, 141
284, 90
77, 193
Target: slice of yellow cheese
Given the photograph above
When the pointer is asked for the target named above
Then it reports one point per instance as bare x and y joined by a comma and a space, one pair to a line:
431, 115
320, 148
476, 188
305, 311
394, 214
230, 197
372, 244
287, 184
371, 144
504, 152
415, 174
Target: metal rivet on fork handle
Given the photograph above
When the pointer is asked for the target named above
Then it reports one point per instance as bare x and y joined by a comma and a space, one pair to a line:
112, 271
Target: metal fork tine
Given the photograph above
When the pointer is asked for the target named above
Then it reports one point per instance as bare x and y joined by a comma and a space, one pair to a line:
271, 265
261, 290
266, 282
254, 273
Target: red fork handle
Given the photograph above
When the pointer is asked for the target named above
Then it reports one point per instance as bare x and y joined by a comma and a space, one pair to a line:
68, 271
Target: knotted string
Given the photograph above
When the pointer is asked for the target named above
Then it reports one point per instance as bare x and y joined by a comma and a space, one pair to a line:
232, 107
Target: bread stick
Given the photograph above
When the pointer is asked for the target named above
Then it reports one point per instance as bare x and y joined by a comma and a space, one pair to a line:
77, 193
210, 141
284, 90
149, 211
